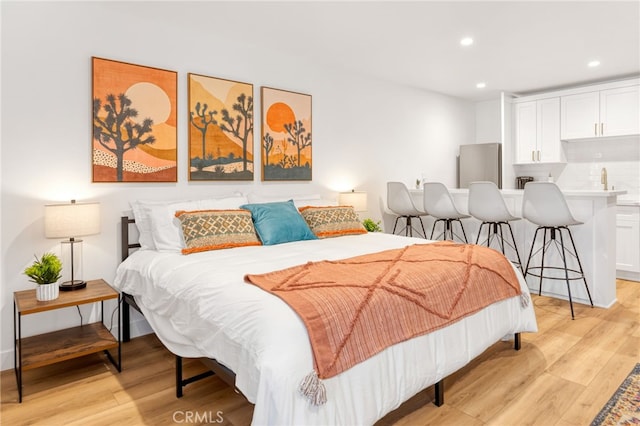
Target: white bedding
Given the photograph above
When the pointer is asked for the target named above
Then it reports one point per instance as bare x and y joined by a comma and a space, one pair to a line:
199, 306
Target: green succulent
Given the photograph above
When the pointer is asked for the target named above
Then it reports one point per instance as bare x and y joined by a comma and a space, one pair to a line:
371, 226
45, 270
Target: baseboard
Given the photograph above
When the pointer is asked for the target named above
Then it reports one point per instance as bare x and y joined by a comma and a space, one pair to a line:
629, 276
582, 301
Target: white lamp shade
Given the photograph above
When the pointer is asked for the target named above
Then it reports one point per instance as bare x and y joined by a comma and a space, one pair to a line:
71, 220
356, 199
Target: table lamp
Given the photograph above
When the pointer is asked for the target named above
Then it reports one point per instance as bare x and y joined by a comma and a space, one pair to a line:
357, 199
70, 221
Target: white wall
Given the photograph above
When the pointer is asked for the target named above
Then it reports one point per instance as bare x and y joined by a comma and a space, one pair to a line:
366, 131
489, 121
493, 124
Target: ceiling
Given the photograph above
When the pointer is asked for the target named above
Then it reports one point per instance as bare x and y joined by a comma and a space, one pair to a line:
519, 47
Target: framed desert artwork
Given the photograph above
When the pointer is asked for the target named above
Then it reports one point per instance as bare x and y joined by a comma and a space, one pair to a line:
220, 129
286, 135
134, 137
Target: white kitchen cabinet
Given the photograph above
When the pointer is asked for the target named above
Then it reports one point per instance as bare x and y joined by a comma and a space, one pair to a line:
628, 242
580, 115
604, 113
620, 111
537, 131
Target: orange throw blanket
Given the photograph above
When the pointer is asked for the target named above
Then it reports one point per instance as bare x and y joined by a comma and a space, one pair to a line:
357, 307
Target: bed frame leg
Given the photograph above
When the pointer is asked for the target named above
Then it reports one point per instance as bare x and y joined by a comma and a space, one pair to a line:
126, 321
178, 376
439, 386
180, 382
439, 393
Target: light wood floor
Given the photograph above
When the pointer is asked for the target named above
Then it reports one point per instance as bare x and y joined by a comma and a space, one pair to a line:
562, 376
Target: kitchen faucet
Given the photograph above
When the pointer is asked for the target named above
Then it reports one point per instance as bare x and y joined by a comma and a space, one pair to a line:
603, 179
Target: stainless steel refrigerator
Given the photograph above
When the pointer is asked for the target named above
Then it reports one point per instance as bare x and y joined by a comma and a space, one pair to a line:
480, 162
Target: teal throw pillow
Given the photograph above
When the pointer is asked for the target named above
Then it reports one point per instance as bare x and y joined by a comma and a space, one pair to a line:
279, 222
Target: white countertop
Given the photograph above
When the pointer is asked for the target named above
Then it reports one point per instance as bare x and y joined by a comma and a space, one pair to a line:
567, 192
628, 202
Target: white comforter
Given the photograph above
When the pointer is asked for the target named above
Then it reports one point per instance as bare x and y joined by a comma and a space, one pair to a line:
199, 306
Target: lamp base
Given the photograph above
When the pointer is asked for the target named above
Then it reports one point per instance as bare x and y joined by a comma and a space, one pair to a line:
72, 285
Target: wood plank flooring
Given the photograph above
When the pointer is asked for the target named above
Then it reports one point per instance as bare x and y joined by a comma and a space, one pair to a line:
562, 376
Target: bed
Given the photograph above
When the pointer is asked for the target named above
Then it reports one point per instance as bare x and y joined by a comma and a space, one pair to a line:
200, 306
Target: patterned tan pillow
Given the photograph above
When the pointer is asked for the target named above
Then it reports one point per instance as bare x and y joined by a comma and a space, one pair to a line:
332, 221
216, 229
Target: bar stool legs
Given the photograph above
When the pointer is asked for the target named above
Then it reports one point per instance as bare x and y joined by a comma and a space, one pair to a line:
408, 229
494, 230
448, 229
555, 233
579, 266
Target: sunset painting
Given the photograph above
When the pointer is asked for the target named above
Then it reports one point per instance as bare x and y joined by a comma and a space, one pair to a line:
134, 136
220, 129
286, 135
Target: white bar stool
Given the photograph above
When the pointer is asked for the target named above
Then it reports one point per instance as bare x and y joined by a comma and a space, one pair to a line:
487, 205
400, 203
437, 202
544, 205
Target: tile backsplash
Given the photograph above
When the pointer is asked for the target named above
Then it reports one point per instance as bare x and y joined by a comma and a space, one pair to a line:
585, 161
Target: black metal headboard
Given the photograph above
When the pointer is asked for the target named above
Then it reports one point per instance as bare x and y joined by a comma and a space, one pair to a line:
126, 245
125, 250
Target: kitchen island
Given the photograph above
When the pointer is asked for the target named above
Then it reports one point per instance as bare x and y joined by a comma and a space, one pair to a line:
595, 240
628, 238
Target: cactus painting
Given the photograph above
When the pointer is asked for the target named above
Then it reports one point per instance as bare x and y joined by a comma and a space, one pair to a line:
134, 136
286, 135
220, 129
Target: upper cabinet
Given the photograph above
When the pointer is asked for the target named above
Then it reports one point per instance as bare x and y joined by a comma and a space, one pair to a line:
537, 131
620, 111
542, 121
611, 112
580, 115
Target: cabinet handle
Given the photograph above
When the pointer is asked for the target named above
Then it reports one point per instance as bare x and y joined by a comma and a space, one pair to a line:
601, 129
533, 156
595, 129
538, 155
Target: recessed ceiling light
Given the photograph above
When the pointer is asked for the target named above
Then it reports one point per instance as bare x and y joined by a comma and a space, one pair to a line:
481, 85
593, 64
467, 41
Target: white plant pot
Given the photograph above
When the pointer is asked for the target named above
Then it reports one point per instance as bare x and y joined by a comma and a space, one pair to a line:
46, 292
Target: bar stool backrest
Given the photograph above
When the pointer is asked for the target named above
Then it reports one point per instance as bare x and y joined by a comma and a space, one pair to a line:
486, 203
544, 204
437, 201
399, 200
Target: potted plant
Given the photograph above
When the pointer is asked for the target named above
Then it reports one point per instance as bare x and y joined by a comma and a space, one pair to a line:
371, 226
45, 272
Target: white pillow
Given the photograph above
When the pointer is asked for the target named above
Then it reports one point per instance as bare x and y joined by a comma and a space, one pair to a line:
315, 203
165, 227
258, 198
142, 215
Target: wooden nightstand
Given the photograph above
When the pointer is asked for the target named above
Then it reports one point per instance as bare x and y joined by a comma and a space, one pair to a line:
49, 348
